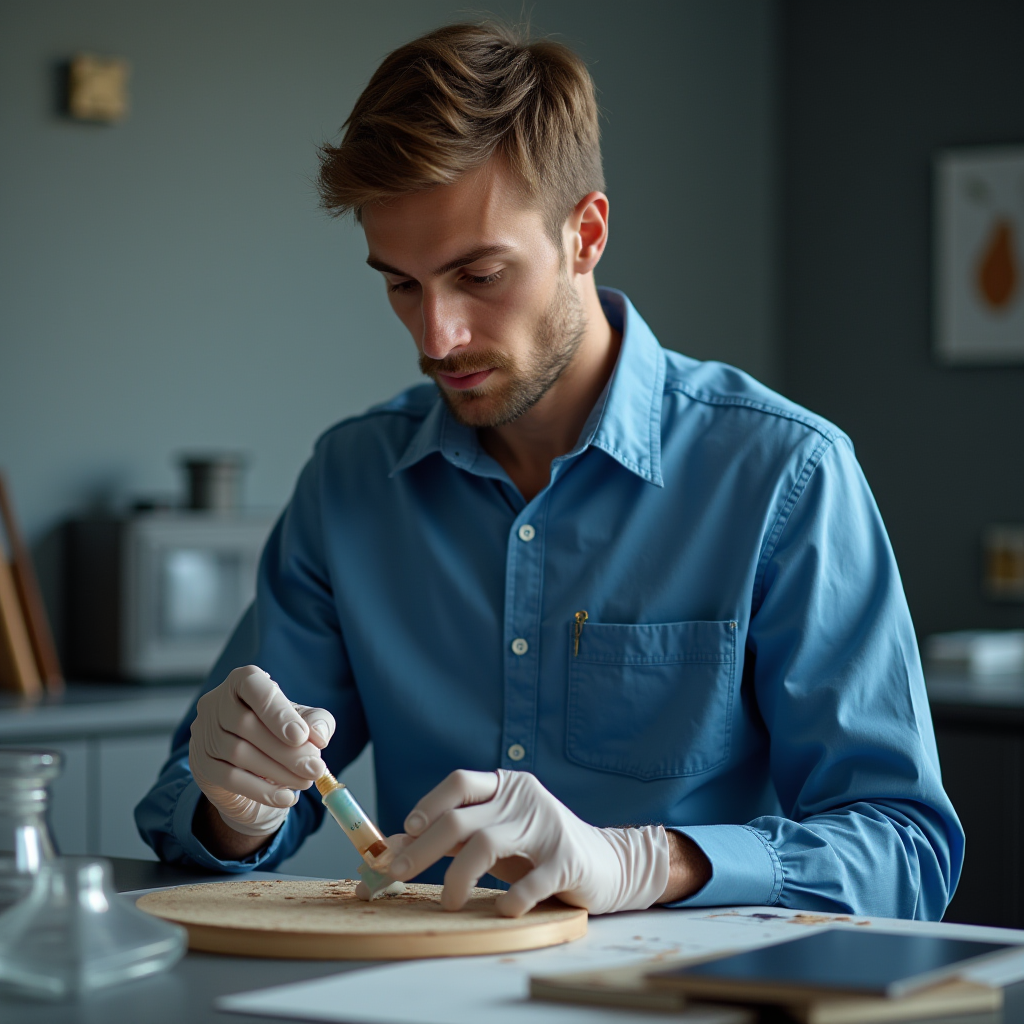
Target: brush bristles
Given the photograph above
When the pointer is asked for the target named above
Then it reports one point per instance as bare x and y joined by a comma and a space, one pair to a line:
327, 783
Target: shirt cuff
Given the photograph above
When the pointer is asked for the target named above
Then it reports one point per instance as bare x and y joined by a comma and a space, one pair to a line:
745, 869
181, 826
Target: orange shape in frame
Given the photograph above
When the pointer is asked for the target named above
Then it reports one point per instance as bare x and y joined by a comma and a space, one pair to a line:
998, 275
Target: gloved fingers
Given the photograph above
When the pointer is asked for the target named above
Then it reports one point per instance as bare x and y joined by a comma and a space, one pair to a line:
236, 724
479, 854
321, 724
239, 752
460, 789
237, 780
443, 838
238, 808
244, 815
542, 882
210, 772
231, 805
254, 687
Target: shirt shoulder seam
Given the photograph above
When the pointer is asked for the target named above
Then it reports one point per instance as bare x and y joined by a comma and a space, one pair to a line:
813, 423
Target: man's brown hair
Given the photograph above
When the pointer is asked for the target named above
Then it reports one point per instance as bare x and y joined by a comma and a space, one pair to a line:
447, 102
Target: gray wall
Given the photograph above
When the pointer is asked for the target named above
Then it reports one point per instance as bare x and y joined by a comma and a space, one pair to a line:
688, 92
168, 283
871, 90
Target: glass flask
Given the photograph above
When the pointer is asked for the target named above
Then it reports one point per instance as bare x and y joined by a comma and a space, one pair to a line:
25, 842
72, 934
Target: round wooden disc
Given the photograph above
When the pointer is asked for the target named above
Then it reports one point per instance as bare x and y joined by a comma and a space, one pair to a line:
324, 920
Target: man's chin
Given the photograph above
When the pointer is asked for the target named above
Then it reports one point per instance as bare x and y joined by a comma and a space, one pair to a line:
477, 411
493, 408
494, 403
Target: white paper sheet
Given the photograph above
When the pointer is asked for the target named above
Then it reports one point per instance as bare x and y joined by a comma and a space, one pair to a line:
471, 990
442, 992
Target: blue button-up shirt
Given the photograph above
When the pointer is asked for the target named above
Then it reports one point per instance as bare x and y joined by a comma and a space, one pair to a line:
747, 672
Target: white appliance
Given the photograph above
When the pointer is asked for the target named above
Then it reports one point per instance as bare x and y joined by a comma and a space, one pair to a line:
155, 595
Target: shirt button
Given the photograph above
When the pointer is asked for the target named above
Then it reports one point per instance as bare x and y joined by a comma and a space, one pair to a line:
520, 646
516, 752
527, 532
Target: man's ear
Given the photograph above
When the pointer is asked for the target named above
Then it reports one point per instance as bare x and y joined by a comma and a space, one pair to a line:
587, 232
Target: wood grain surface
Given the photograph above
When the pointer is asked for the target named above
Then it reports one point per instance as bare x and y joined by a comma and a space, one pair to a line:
324, 920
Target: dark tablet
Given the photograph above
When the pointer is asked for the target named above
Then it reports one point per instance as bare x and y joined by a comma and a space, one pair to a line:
834, 960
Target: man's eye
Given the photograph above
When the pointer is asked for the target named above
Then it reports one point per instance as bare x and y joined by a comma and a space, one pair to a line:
402, 286
486, 279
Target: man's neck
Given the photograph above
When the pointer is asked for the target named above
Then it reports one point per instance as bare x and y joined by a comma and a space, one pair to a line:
526, 447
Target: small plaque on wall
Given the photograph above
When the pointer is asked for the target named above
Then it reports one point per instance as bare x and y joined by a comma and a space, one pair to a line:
98, 88
979, 248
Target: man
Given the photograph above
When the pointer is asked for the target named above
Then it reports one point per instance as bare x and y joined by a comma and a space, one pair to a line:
623, 627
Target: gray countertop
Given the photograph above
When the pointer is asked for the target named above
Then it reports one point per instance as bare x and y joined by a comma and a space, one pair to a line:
94, 709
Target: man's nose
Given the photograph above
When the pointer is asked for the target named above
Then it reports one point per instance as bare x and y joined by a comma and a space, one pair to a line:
444, 328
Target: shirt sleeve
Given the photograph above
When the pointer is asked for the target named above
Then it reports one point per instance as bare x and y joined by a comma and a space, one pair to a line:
831, 653
292, 632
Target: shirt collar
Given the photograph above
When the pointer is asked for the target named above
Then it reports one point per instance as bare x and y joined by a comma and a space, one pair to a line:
625, 423
629, 428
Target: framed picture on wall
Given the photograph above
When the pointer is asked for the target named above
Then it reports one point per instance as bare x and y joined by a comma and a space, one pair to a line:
979, 256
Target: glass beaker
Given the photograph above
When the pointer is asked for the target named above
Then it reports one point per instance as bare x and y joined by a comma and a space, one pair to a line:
72, 934
25, 842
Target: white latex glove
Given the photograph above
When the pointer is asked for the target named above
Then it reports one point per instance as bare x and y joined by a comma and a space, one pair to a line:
251, 747
508, 824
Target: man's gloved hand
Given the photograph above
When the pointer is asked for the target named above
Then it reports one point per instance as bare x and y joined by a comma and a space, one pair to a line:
507, 823
251, 747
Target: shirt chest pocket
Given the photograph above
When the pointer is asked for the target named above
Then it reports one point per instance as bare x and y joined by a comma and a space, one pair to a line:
651, 701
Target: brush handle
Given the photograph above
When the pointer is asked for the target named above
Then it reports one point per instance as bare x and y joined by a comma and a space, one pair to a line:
356, 824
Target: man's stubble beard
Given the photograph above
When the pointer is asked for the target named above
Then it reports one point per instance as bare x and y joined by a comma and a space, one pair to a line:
557, 339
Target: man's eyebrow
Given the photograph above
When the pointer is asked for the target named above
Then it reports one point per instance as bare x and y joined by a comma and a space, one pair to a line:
460, 261
384, 268
472, 256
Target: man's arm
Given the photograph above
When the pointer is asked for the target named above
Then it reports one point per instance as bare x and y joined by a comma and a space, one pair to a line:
689, 869
221, 839
226, 799
866, 826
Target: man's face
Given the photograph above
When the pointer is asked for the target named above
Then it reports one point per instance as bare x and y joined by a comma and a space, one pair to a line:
483, 290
